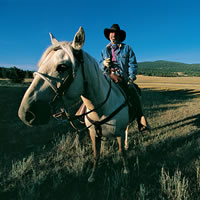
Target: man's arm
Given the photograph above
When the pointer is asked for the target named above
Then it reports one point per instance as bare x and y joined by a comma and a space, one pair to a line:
133, 66
105, 62
101, 65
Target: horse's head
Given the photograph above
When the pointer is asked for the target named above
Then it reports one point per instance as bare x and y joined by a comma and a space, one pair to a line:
58, 72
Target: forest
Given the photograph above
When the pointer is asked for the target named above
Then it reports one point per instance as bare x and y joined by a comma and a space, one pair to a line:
15, 74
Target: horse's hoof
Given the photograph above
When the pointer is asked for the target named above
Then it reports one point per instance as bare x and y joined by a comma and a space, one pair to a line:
126, 171
91, 179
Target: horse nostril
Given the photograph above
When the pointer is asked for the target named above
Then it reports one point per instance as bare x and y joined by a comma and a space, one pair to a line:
29, 116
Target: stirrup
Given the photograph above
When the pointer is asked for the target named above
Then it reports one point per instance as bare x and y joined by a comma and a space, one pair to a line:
143, 128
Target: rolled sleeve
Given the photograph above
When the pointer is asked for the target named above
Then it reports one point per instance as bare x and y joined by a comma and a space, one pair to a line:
132, 65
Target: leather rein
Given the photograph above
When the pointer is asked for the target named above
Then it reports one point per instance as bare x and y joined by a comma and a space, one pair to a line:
62, 86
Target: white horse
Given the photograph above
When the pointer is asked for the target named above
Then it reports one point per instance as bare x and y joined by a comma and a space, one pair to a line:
67, 73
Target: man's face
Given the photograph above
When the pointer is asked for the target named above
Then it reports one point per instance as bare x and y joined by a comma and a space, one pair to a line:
114, 38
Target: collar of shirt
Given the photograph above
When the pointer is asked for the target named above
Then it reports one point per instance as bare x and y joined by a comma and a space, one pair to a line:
114, 46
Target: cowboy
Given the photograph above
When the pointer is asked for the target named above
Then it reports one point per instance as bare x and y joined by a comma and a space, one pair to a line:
119, 61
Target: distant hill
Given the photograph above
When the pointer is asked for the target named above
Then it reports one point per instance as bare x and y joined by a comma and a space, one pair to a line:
167, 68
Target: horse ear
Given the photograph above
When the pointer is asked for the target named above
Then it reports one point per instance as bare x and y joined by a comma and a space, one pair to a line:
79, 39
53, 39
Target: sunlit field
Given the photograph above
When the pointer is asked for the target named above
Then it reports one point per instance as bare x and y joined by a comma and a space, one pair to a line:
53, 162
169, 82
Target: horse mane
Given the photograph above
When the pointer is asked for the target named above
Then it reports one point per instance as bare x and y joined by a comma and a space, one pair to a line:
53, 48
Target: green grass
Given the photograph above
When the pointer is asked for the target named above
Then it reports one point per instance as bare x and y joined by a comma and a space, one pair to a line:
51, 162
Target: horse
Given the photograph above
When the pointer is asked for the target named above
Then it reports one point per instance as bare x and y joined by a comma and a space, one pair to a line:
67, 73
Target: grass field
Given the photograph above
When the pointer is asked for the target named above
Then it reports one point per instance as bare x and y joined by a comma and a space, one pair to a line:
168, 82
49, 162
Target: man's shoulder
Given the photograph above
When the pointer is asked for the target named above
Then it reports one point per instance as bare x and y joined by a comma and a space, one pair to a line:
108, 46
126, 47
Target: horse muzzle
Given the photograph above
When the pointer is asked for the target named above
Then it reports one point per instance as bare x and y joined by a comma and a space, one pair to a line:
37, 113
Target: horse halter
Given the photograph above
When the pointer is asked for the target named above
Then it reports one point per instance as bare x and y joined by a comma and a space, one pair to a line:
62, 85
59, 90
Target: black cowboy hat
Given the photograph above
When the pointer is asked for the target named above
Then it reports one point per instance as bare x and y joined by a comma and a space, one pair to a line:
115, 28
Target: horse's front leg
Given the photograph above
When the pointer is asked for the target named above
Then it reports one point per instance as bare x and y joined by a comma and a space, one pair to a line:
96, 144
126, 138
122, 152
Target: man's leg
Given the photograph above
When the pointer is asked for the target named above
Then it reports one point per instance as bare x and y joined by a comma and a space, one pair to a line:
136, 100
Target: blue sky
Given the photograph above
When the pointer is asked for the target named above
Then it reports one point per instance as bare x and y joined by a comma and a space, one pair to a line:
156, 29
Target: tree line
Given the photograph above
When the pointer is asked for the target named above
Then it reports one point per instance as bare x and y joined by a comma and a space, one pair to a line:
15, 74
168, 69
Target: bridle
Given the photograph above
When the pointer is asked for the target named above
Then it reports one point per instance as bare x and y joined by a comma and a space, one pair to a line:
60, 86
59, 90
64, 84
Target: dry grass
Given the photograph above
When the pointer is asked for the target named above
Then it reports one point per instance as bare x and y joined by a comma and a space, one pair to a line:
168, 82
46, 163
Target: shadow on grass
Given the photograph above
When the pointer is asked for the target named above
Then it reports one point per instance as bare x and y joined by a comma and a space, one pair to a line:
171, 153
191, 120
162, 100
18, 141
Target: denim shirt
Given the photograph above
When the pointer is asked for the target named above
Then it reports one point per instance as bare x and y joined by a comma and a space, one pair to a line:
125, 58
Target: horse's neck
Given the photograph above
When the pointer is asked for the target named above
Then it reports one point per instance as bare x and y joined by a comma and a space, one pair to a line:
98, 86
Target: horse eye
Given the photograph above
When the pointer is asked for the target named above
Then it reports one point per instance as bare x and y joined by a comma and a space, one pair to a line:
61, 68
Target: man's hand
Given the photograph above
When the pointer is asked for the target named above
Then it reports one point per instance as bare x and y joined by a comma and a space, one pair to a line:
107, 62
130, 81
